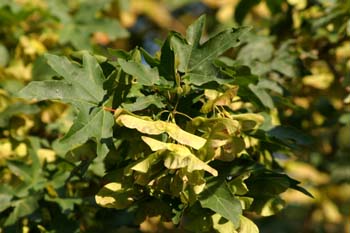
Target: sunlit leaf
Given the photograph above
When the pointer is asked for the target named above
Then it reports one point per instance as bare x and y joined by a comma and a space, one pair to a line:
158, 127
247, 226
179, 157
223, 225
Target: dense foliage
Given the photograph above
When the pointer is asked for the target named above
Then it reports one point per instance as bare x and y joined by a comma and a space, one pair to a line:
207, 131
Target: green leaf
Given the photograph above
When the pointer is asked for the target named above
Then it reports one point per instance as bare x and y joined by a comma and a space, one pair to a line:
22, 207
15, 109
80, 85
98, 125
195, 59
237, 185
144, 102
41, 70
145, 76
5, 200
4, 56
257, 54
167, 61
262, 95
30, 174
268, 184
197, 219
77, 29
159, 127
290, 135
287, 62
218, 198
243, 8
66, 204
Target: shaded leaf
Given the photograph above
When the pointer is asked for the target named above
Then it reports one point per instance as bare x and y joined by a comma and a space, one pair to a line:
243, 8
22, 208
249, 121
112, 195
290, 135
98, 125
16, 109
30, 174
144, 102
65, 203
218, 198
262, 95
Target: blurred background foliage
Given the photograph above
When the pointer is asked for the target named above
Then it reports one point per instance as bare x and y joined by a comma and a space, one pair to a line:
304, 45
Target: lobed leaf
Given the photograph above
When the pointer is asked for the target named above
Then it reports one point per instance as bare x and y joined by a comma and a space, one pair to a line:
219, 199
195, 59
145, 76
98, 124
80, 85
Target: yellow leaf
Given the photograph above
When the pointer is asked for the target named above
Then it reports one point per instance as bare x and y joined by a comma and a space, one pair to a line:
154, 144
306, 172
46, 155
143, 126
222, 225
5, 148
321, 77
249, 121
184, 137
155, 10
146, 163
298, 4
247, 226
32, 46
158, 127
21, 149
179, 157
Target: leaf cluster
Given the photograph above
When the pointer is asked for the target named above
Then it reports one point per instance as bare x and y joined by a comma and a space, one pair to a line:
186, 129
